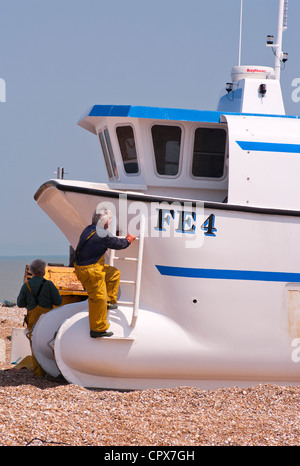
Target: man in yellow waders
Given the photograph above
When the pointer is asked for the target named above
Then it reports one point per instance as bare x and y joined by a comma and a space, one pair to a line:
39, 296
101, 281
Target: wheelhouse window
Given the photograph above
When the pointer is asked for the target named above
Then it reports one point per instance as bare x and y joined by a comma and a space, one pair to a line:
108, 154
209, 152
166, 143
105, 155
110, 151
128, 150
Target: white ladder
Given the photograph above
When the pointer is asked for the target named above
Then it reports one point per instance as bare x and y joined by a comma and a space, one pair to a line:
137, 282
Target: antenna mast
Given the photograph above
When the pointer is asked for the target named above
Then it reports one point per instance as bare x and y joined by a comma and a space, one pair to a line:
282, 26
240, 41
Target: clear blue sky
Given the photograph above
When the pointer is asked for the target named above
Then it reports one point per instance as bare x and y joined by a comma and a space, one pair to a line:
59, 57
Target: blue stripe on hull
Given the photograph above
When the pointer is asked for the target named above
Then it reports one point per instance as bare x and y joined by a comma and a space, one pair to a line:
228, 274
269, 147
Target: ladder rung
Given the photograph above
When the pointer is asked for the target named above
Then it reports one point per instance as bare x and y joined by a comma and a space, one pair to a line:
137, 281
124, 303
126, 258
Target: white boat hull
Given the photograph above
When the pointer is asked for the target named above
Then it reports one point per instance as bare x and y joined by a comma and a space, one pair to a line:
199, 322
159, 354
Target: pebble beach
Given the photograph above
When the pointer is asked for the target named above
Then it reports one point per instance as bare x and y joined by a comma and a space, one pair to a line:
50, 412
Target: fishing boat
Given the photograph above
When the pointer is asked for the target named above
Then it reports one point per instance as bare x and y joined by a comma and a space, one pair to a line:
210, 290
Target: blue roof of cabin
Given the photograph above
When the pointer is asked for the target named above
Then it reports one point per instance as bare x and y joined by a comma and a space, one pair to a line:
157, 113
161, 113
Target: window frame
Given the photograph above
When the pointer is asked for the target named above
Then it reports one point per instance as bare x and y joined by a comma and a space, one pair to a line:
111, 152
209, 126
105, 154
108, 153
136, 149
182, 129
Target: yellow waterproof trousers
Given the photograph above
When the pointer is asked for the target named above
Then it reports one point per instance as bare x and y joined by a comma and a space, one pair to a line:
101, 282
31, 319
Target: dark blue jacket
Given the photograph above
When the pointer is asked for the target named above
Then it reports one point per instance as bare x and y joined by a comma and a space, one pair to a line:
48, 298
93, 243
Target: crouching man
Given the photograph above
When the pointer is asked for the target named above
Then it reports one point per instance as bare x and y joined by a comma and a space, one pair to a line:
38, 296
